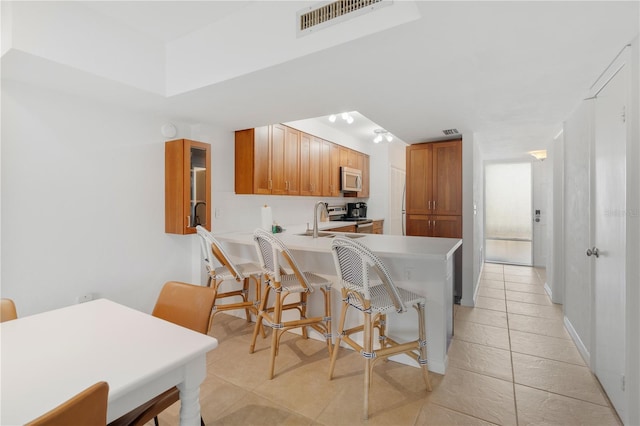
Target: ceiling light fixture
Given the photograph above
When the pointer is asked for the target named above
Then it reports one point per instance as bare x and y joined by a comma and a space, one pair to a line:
380, 133
345, 116
539, 155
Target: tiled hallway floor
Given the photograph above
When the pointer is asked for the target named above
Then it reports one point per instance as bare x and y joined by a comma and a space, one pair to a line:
511, 362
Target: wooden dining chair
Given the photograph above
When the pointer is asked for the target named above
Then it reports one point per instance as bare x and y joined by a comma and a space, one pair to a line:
374, 299
88, 408
186, 305
299, 284
7, 310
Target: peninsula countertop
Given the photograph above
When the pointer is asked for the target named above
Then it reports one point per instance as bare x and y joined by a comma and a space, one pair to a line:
381, 244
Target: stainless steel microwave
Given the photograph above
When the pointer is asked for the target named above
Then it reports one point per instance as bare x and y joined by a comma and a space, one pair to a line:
351, 179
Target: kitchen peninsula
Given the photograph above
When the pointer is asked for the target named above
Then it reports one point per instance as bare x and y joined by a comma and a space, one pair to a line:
421, 264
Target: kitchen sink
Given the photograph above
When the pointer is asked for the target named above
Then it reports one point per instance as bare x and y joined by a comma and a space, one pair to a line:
331, 234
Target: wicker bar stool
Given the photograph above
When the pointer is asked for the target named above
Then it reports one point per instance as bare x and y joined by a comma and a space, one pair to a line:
270, 251
212, 251
354, 262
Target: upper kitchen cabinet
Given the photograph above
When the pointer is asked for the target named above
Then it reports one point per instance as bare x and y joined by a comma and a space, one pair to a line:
267, 160
310, 165
434, 187
281, 160
187, 173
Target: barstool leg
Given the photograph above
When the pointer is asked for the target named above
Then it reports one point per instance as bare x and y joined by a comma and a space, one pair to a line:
336, 346
275, 337
422, 341
368, 360
327, 315
245, 297
261, 314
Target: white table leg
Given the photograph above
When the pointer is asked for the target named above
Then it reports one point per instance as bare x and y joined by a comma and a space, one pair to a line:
195, 372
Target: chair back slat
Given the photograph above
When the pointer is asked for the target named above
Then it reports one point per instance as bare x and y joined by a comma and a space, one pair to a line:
270, 252
212, 249
354, 261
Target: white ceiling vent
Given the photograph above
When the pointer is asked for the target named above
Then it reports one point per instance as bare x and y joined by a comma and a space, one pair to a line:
322, 15
451, 132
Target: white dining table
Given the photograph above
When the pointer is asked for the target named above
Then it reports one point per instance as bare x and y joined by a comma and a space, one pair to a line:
47, 358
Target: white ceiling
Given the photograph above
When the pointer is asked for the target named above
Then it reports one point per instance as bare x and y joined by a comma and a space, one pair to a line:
508, 72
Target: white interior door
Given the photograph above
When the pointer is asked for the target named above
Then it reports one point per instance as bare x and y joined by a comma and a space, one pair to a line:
609, 237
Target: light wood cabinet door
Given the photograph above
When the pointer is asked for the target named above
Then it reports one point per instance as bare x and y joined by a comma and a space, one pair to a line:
253, 161
261, 161
419, 174
434, 226
378, 226
447, 178
362, 164
310, 165
446, 226
278, 149
330, 169
292, 161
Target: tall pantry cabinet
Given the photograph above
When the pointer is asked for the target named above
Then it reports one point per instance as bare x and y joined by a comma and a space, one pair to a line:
434, 189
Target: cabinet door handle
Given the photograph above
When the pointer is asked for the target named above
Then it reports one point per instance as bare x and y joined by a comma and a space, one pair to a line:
434, 204
429, 204
188, 221
270, 184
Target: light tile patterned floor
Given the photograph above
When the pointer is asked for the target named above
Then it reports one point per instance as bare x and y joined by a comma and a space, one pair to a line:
511, 362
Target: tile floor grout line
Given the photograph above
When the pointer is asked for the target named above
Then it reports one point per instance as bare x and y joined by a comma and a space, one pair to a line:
513, 373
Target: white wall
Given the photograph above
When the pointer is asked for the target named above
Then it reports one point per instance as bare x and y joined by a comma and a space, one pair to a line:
478, 220
555, 231
578, 138
470, 156
83, 203
540, 191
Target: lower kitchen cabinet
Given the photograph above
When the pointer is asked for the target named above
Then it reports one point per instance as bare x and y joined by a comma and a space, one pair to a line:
378, 226
434, 226
348, 228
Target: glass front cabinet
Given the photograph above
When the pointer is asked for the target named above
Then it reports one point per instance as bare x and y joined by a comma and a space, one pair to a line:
187, 173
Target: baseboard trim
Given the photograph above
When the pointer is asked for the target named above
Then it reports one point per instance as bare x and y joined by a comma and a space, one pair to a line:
584, 352
548, 290
472, 302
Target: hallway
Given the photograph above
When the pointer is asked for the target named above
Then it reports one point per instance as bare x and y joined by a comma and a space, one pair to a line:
511, 362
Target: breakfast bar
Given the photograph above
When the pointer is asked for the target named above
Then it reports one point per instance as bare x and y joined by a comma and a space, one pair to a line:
423, 265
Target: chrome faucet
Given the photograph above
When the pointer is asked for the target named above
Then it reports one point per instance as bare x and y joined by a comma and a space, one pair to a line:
315, 217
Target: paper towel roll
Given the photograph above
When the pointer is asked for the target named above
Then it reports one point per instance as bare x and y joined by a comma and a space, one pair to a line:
267, 218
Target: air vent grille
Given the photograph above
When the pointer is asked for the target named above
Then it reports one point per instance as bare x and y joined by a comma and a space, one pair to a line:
450, 132
334, 12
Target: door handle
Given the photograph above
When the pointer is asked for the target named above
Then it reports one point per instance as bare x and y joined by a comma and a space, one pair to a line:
593, 251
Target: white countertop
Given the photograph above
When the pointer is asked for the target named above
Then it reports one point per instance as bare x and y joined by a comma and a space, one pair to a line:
381, 244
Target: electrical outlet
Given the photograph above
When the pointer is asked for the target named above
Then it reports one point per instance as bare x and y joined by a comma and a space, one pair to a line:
84, 298
217, 212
